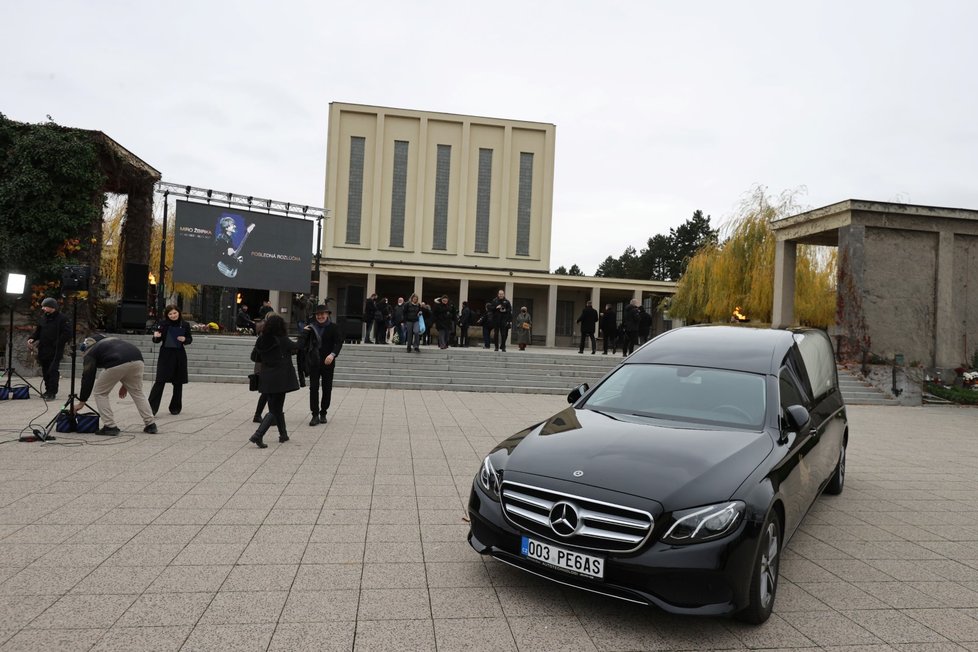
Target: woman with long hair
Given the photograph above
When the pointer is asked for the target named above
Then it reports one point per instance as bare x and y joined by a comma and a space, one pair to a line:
274, 350
173, 334
412, 311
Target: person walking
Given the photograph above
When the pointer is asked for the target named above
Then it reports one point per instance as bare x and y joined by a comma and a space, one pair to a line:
588, 320
441, 312
644, 325
609, 328
428, 322
522, 327
485, 320
321, 340
274, 350
412, 312
502, 311
120, 362
464, 321
48, 339
171, 366
630, 320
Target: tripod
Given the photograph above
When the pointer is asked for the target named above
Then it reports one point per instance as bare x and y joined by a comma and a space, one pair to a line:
10, 371
69, 407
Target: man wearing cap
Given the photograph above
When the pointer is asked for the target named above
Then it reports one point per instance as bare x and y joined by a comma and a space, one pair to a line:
321, 341
49, 338
120, 362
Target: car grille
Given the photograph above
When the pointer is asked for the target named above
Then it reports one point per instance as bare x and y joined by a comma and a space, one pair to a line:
596, 525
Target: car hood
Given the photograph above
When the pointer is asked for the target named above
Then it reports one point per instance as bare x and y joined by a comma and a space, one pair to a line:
678, 466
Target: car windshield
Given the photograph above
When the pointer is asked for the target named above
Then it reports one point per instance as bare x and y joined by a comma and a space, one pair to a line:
687, 394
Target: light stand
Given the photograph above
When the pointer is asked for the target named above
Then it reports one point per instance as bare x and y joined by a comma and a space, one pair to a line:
14, 289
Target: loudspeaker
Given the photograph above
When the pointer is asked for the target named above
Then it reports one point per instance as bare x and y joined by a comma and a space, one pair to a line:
133, 314
74, 278
135, 282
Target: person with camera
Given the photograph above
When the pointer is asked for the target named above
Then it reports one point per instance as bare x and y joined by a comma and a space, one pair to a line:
53, 331
173, 333
321, 342
502, 312
274, 350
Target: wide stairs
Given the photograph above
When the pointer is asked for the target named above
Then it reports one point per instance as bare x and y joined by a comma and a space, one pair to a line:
538, 370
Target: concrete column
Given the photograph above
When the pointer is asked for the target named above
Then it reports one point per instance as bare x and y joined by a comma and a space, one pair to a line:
945, 339
552, 315
463, 292
785, 255
596, 298
418, 287
509, 293
637, 294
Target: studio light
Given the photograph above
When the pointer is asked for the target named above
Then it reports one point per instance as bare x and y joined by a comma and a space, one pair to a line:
16, 283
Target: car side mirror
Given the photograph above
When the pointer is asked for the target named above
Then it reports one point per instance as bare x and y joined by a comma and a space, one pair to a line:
797, 417
577, 393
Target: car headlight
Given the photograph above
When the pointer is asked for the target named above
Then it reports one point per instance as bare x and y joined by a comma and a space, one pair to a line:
704, 523
489, 478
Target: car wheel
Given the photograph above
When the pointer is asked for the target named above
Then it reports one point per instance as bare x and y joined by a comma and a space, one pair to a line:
838, 481
764, 577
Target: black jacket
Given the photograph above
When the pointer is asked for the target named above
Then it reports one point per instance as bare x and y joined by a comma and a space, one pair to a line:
53, 331
502, 312
411, 311
587, 320
277, 375
316, 347
105, 354
171, 367
609, 324
465, 317
630, 319
442, 313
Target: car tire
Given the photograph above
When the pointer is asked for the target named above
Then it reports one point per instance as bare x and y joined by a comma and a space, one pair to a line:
764, 576
838, 481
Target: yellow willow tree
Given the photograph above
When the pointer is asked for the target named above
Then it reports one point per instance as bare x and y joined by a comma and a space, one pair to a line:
186, 290
739, 272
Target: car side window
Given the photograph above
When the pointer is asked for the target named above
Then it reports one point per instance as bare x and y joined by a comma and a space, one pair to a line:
788, 389
816, 352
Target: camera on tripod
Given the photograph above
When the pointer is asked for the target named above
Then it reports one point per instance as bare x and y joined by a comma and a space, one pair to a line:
75, 278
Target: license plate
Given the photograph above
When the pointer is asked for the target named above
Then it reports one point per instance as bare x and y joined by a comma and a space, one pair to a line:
562, 559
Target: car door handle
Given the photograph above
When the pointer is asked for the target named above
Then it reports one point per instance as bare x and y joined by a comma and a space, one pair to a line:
813, 432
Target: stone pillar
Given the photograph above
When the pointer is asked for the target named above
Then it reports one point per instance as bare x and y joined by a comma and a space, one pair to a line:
945, 339
463, 293
509, 293
596, 298
785, 255
418, 287
552, 315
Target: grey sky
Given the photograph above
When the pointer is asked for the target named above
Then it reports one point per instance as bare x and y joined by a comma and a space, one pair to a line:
661, 108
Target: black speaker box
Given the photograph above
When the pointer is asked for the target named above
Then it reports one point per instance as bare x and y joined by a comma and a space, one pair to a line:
133, 314
135, 282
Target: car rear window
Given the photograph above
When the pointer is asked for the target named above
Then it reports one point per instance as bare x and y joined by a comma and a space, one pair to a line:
681, 393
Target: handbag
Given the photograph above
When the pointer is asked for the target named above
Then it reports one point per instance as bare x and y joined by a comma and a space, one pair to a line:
253, 382
421, 326
525, 325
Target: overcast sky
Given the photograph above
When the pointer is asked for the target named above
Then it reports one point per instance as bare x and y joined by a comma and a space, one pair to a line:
661, 108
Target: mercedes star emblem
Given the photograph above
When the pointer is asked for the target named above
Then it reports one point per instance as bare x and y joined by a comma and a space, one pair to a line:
564, 520
578, 473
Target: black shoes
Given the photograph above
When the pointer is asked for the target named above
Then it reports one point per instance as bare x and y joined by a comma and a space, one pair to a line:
151, 429
322, 416
256, 440
108, 431
174, 412
314, 421
256, 418
283, 438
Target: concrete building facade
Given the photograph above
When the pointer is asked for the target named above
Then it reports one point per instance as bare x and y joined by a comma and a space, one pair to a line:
907, 280
436, 203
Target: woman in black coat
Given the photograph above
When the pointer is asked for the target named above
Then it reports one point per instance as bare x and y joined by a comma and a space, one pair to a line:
171, 367
274, 350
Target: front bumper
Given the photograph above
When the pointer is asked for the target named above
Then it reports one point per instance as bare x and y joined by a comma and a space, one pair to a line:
709, 579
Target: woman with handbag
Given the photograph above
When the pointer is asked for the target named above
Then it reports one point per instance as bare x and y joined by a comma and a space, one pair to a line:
522, 324
171, 367
274, 350
412, 313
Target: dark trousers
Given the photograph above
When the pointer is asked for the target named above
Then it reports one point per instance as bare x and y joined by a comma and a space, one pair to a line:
276, 415
262, 402
487, 336
594, 342
380, 331
443, 334
323, 375
156, 397
463, 337
609, 342
50, 373
499, 337
628, 343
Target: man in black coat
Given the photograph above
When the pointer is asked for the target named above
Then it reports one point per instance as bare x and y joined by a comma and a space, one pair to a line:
502, 313
588, 320
321, 340
369, 310
644, 325
630, 320
609, 327
49, 338
464, 321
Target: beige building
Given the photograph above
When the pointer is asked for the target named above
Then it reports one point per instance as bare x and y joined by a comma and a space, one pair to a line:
437, 203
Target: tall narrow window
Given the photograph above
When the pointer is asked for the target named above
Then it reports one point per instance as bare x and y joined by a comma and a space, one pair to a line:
523, 204
443, 171
354, 197
564, 323
399, 192
482, 204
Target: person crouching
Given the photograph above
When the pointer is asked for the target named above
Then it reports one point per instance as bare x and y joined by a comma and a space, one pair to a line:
120, 362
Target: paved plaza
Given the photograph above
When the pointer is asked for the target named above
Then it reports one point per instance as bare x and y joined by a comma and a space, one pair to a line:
351, 536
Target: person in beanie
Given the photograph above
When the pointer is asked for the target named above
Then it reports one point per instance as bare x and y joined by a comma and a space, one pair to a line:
321, 340
49, 338
120, 362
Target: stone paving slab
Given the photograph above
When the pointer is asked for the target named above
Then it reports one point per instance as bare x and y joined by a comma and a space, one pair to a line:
351, 536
